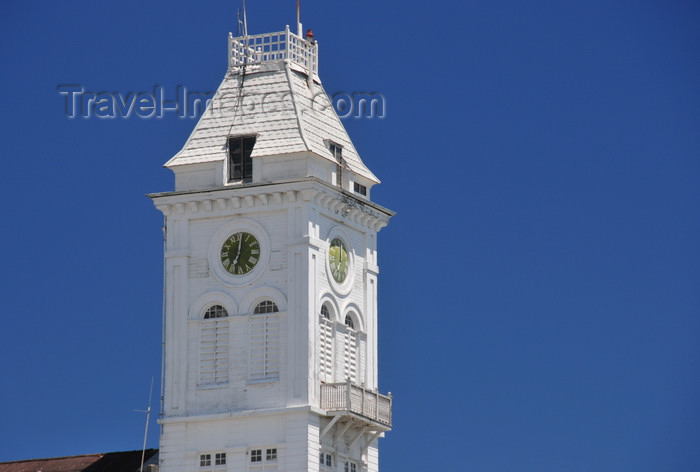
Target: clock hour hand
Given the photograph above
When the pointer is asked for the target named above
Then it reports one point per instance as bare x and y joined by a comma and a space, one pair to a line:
238, 254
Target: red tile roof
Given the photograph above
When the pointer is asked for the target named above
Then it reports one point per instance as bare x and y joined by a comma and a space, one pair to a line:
128, 461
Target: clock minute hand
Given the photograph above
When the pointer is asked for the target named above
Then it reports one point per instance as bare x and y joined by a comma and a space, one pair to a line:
238, 254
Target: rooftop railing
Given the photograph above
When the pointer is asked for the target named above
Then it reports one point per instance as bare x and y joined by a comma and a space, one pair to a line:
355, 399
282, 46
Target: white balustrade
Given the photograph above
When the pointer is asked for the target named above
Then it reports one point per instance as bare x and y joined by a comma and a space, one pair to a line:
355, 399
245, 51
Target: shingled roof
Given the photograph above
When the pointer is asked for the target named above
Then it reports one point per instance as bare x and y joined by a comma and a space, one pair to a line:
127, 461
277, 102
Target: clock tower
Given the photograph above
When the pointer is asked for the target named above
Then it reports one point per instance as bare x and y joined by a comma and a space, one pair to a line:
270, 297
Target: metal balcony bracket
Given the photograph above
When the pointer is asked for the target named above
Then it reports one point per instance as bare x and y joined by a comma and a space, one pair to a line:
371, 440
328, 427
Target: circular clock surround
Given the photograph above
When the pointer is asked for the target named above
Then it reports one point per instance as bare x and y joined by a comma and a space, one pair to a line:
339, 261
239, 252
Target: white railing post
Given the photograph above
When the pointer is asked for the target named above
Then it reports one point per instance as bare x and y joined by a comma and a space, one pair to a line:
287, 43
390, 407
362, 399
230, 50
314, 69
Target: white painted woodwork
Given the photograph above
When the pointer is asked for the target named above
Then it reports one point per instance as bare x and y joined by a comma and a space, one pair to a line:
290, 381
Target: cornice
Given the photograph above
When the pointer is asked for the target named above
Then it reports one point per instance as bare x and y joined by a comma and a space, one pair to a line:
266, 195
202, 417
353, 209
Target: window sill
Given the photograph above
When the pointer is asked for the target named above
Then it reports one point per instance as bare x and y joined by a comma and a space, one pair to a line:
266, 380
212, 386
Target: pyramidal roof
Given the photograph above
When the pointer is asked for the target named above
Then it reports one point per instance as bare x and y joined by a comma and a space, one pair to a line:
271, 90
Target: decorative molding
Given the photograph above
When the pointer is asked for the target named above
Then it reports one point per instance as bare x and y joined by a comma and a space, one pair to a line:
344, 205
352, 209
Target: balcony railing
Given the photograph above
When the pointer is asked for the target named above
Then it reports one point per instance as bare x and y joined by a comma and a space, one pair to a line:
355, 399
284, 45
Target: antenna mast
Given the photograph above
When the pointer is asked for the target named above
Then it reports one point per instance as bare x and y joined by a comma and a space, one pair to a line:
245, 20
299, 28
148, 417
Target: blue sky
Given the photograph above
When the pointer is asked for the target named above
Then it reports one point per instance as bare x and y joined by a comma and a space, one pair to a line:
539, 304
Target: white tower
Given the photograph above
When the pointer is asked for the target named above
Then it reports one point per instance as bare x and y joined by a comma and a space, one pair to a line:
270, 316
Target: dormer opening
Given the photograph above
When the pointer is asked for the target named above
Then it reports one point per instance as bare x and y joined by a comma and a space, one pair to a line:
240, 163
337, 152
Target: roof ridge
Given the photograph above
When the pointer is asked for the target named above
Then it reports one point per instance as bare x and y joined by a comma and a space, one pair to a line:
297, 112
208, 108
97, 454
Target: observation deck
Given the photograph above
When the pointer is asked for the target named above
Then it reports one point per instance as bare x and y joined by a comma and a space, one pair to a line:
248, 53
350, 399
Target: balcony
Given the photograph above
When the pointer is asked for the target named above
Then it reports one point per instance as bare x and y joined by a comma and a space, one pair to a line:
251, 51
349, 398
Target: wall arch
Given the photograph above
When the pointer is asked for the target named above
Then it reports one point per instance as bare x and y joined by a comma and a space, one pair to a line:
212, 298
329, 301
354, 312
251, 300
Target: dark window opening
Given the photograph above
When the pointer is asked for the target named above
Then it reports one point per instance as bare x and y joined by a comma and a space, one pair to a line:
337, 152
361, 189
266, 306
215, 311
240, 164
349, 322
326, 459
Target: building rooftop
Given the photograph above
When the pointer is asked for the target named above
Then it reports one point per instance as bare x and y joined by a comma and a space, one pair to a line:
127, 461
272, 91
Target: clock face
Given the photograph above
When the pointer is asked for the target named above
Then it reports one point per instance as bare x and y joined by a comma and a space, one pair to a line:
240, 253
338, 260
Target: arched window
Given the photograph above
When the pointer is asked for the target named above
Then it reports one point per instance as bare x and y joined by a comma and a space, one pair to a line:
264, 341
349, 322
213, 350
266, 306
325, 345
215, 311
350, 355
